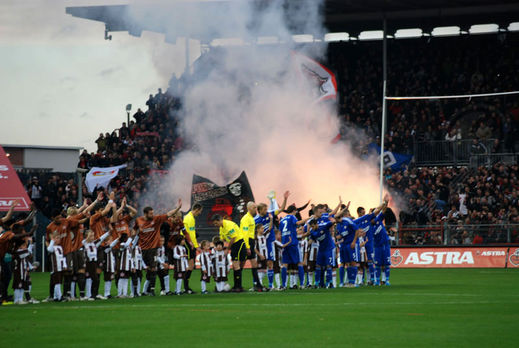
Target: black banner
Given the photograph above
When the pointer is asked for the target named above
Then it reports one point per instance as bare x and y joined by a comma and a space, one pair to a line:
229, 200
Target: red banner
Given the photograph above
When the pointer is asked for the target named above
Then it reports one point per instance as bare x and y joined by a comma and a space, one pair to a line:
148, 134
513, 258
11, 188
450, 257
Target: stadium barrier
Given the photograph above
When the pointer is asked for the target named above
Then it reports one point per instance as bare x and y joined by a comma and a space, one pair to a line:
449, 234
493, 158
444, 152
455, 257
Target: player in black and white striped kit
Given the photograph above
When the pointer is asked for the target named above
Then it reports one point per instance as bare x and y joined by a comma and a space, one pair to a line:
59, 264
91, 247
163, 266
181, 262
125, 265
313, 248
20, 271
222, 265
206, 265
110, 266
137, 265
261, 252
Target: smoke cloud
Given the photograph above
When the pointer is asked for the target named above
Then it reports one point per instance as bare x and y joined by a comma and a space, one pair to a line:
252, 111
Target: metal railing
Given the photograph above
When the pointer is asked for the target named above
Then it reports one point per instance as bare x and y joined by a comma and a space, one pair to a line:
493, 158
456, 234
443, 152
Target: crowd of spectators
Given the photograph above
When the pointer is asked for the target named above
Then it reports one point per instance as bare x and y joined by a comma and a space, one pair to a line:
444, 196
458, 199
431, 67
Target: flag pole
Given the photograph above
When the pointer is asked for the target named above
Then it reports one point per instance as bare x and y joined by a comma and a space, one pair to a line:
383, 130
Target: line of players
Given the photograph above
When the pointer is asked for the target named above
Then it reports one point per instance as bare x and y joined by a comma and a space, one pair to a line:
309, 248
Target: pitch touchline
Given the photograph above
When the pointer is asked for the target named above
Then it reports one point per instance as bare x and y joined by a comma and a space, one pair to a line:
197, 305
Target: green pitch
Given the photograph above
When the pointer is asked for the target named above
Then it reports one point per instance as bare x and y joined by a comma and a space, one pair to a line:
459, 307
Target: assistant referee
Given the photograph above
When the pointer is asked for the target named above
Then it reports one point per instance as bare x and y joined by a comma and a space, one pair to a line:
248, 228
237, 244
189, 233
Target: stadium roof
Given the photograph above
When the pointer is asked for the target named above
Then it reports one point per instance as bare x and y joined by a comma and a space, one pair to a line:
42, 147
340, 16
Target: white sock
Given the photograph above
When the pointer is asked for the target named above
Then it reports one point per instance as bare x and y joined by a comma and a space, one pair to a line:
120, 287
277, 279
203, 286
72, 289
334, 278
179, 285
57, 291
368, 275
311, 278
261, 275
125, 287
139, 286
18, 295
88, 287
166, 283
108, 287
359, 279
219, 286
145, 286
383, 275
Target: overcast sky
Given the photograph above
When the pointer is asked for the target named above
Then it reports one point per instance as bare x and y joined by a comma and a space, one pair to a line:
62, 83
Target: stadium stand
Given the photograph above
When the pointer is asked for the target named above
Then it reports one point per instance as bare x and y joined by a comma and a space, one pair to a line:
459, 176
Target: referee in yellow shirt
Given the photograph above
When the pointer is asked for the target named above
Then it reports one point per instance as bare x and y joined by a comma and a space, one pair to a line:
238, 246
189, 233
248, 228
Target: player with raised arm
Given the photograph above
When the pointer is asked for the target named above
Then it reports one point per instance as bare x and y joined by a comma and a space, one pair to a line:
238, 245
382, 248
288, 226
363, 222
91, 246
76, 256
149, 240
266, 219
320, 231
100, 224
191, 243
346, 230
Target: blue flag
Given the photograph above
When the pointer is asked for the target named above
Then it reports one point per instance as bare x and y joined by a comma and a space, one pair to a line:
397, 161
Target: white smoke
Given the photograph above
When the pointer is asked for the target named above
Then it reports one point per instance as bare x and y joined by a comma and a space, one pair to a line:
254, 113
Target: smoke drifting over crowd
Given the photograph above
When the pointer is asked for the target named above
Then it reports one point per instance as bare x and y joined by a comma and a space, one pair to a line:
252, 111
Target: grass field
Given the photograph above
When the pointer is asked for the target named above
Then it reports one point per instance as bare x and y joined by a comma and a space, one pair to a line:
432, 307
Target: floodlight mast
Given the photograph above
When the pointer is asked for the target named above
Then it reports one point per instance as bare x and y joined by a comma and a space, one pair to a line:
383, 131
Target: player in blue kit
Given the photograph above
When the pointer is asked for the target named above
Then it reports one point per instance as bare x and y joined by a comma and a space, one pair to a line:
346, 231
364, 222
320, 227
382, 248
263, 218
288, 227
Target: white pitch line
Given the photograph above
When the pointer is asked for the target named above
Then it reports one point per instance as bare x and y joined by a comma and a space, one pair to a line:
201, 305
